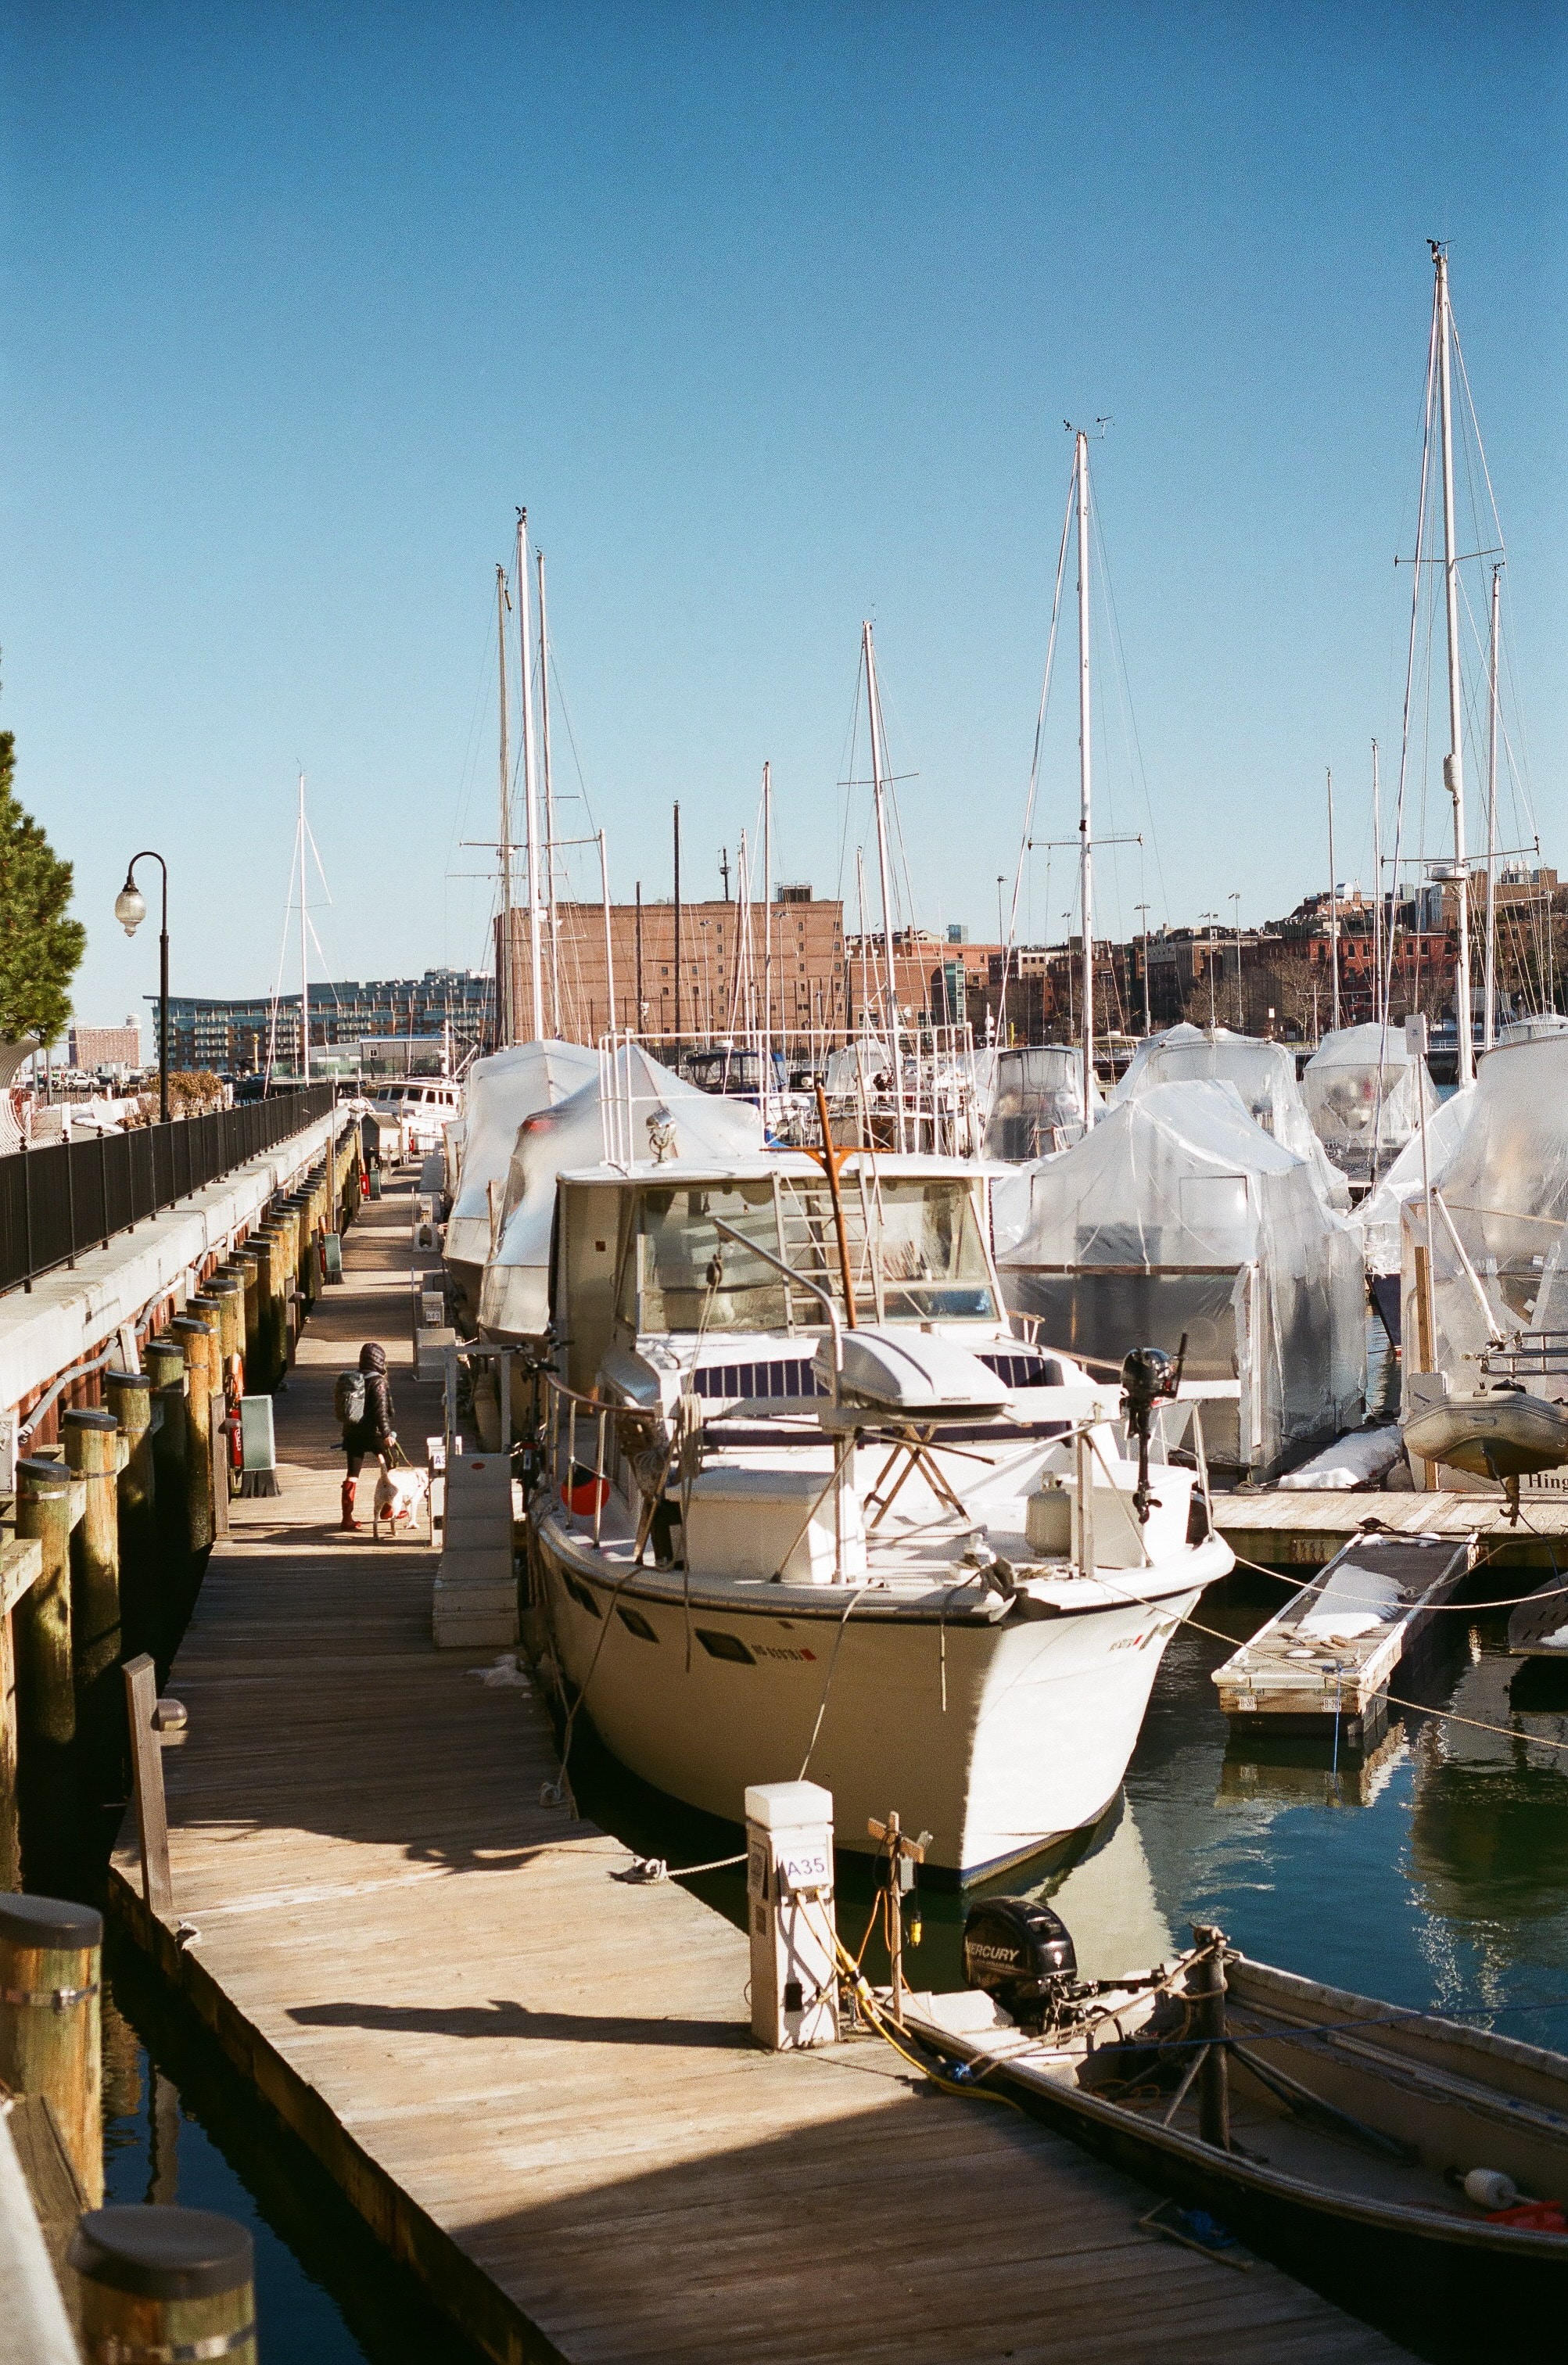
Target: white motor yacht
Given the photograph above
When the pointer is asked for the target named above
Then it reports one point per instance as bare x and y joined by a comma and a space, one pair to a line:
809, 1506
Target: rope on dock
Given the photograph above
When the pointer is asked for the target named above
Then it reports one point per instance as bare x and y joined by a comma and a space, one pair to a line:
645, 1871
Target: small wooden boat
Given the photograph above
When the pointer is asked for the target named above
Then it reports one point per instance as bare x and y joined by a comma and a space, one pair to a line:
1410, 2166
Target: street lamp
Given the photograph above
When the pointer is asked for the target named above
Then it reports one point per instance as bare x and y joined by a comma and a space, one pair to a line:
131, 910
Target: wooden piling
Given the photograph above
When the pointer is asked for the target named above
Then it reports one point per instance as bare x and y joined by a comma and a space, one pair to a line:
129, 1395
49, 2039
19, 1565
264, 1367
46, 1689
246, 1267
228, 1290
166, 2282
91, 1454
165, 1360
195, 1345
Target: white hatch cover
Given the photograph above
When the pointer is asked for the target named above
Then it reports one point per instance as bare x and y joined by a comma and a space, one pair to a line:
912, 1373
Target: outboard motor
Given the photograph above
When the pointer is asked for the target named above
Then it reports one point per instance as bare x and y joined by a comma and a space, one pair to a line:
1020, 1952
1149, 1378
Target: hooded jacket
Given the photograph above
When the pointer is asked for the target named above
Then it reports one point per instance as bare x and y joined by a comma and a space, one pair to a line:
373, 1434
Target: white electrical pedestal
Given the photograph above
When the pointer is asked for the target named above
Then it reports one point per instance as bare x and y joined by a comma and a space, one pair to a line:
794, 1975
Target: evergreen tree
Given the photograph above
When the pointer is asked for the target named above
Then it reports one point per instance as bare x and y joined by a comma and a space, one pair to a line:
41, 946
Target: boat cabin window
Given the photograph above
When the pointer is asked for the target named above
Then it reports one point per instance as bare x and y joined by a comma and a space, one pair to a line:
915, 1249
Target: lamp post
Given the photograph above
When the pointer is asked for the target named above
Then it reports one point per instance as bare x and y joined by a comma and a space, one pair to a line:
131, 910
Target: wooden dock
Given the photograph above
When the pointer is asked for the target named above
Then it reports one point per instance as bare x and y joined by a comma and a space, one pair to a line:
536, 2083
1285, 1529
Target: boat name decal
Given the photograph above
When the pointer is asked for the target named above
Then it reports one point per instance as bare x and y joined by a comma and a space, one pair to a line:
780, 1651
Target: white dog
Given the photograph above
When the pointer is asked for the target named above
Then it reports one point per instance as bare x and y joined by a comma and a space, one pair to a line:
399, 1495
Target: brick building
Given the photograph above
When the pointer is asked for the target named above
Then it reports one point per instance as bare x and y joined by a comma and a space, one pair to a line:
723, 945
91, 1048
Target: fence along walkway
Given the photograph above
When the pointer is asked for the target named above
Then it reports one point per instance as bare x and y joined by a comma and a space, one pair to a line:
538, 2084
71, 1195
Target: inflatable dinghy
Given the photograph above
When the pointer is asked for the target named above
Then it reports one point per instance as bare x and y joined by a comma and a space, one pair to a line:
1505, 1435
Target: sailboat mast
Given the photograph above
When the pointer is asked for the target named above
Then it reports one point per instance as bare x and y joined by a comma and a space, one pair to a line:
529, 794
1377, 896
1453, 763
767, 920
505, 1015
895, 1050
1489, 998
304, 964
1333, 914
549, 805
609, 932
1085, 781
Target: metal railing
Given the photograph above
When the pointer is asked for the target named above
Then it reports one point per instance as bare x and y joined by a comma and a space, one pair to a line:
73, 1195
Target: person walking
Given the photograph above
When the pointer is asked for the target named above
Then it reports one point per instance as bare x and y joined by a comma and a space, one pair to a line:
372, 1431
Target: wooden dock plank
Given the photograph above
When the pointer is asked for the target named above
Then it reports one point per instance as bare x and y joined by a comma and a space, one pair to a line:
537, 2083
1282, 1527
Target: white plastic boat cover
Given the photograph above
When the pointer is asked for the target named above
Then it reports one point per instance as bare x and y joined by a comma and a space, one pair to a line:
1503, 1191
1176, 1213
1264, 1075
857, 1067
1358, 1460
1364, 1092
500, 1091
1038, 1105
1535, 1028
630, 1104
1378, 1216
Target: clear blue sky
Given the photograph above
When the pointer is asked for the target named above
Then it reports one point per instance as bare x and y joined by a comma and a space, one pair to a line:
772, 316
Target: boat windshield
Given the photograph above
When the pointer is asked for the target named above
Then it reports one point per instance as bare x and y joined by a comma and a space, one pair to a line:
914, 1245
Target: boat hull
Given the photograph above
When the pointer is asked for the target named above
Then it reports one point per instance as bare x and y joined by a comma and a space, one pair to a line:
998, 1737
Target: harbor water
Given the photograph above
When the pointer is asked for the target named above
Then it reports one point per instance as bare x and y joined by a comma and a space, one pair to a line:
1433, 1874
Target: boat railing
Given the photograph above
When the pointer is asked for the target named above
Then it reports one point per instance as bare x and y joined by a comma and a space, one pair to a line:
568, 1412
